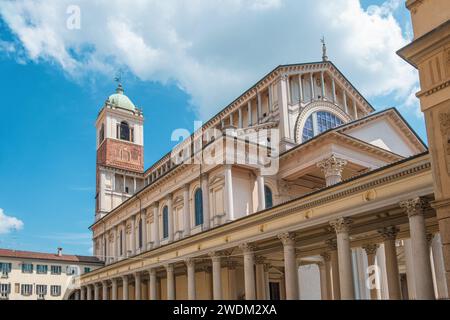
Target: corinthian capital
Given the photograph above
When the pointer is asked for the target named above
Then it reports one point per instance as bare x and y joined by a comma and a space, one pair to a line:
389, 233
287, 238
246, 247
371, 248
414, 206
341, 225
332, 166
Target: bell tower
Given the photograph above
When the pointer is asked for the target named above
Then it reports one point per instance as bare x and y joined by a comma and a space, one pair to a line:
120, 152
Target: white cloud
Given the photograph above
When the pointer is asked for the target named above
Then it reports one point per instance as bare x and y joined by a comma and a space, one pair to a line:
216, 49
8, 223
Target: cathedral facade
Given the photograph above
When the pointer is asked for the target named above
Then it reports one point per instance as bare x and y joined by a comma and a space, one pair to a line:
298, 189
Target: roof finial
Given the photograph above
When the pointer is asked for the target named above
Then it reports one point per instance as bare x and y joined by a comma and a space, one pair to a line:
118, 79
324, 49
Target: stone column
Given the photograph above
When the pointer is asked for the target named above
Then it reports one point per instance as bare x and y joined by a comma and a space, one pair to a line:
438, 261
170, 282
205, 201
82, 293
229, 192
300, 88
371, 252
311, 79
186, 211
240, 118
261, 193
88, 292
217, 275
133, 235
390, 252
249, 271
258, 100
323, 280
260, 279
125, 288
113, 289
336, 290
137, 286
332, 169
322, 82
156, 239
290, 266
249, 113
342, 226
152, 284
144, 230
421, 256
170, 218
326, 257
190, 264
104, 290
231, 266
267, 280
333, 89
96, 291
124, 240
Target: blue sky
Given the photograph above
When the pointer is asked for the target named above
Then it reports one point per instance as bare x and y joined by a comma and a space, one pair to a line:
51, 91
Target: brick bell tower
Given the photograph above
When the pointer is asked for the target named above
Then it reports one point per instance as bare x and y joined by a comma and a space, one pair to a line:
120, 152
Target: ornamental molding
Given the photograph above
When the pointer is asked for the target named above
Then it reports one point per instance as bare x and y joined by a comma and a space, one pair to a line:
325, 256
315, 106
331, 244
414, 207
444, 121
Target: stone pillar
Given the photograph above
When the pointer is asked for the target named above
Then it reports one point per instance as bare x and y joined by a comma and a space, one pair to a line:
170, 216
420, 251
260, 279
124, 240
156, 239
290, 266
190, 264
152, 284
311, 80
137, 286
88, 292
229, 192
82, 293
231, 266
186, 211
125, 288
261, 193
323, 280
249, 271
249, 113
344, 97
259, 111
217, 275
113, 289
144, 230
104, 290
327, 265
333, 89
205, 201
336, 289
342, 226
96, 291
322, 82
240, 118
390, 251
438, 261
332, 169
300, 88
133, 235
267, 279
371, 252
170, 282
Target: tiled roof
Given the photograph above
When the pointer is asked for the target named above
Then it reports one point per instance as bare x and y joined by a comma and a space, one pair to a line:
48, 256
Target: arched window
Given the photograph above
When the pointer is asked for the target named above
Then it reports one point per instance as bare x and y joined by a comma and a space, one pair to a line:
140, 233
165, 221
319, 122
268, 196
124, 131
198, 197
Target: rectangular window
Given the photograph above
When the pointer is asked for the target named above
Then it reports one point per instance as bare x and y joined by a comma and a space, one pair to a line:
41, 269
41, 289
55, 290
87, 269
27, 268
5, 290
55, 269
26, 289
71, 270
5, 269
